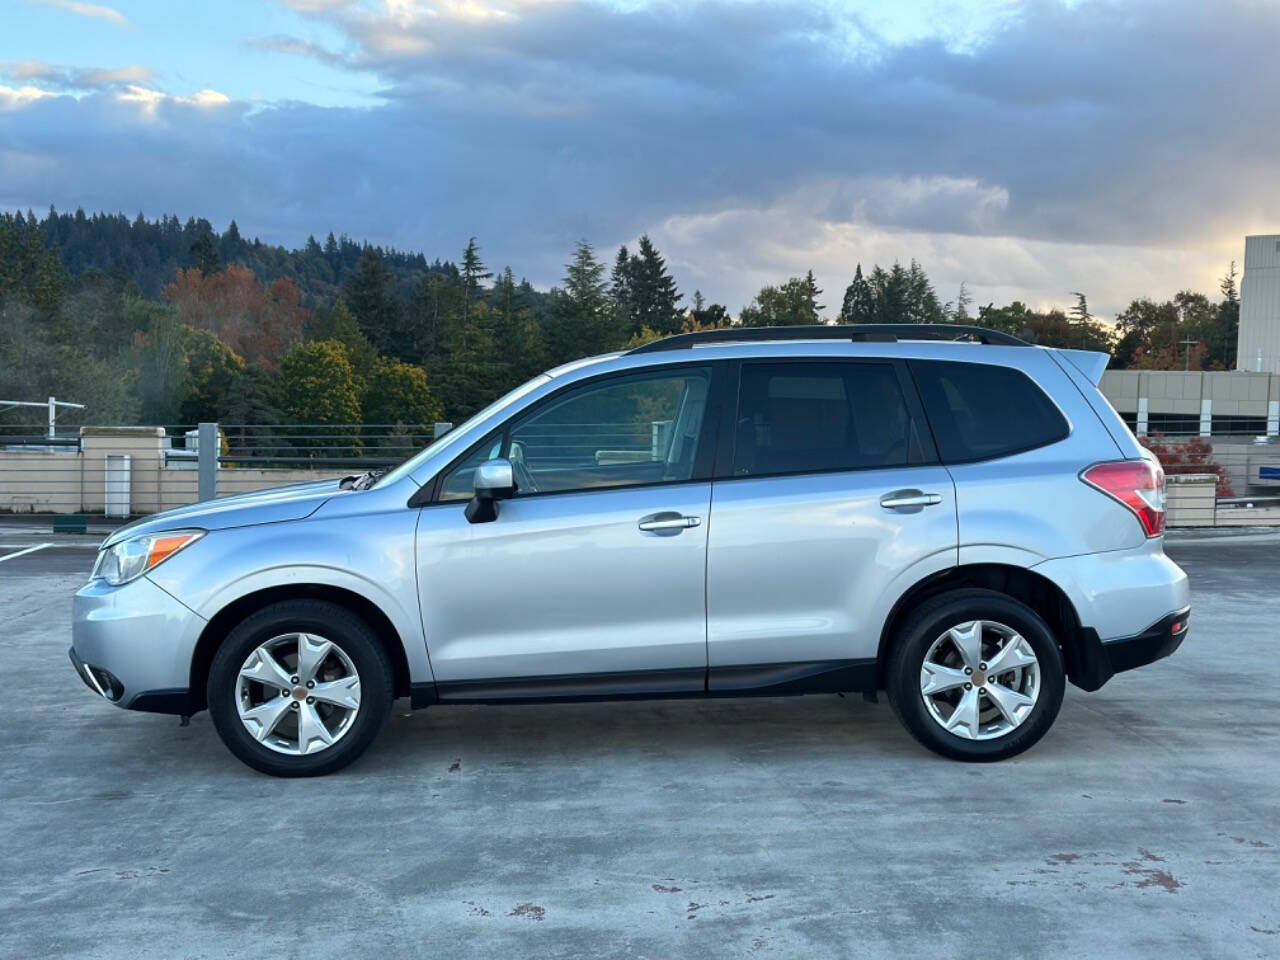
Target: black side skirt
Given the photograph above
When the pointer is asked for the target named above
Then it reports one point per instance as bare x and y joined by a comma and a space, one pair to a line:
751, 680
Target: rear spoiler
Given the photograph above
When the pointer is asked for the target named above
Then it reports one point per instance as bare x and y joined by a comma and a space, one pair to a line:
1089, 362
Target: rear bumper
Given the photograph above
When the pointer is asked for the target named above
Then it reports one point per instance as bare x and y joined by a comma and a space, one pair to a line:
1121, 594
1126, 603
1093, 662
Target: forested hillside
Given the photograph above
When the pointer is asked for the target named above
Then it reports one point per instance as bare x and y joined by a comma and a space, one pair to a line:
169, 322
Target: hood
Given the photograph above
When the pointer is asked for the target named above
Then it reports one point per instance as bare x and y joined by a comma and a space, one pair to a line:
278, 504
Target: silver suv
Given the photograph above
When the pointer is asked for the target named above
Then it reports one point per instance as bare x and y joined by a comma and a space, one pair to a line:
946, 514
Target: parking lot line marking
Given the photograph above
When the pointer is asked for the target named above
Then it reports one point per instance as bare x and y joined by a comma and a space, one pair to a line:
39, 546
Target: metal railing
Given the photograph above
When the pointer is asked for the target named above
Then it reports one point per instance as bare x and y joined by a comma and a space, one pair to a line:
127, 471
119, 472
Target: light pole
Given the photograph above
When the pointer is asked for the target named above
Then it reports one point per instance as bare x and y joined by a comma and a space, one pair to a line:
1186, 364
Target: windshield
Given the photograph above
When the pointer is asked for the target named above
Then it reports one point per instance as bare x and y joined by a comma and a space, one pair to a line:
453, 436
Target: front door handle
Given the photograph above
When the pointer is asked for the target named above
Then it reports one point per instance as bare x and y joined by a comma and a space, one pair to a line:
909, 498
668, 523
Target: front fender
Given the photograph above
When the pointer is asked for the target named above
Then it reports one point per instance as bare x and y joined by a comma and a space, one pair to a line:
370, 555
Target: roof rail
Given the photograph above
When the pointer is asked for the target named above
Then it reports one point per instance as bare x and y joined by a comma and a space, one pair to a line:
881, 332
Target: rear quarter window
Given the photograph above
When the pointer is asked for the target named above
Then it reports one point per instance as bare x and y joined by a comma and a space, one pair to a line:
979, 411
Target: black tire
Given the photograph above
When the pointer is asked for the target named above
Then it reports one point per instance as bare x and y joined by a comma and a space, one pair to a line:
917, 634
332, 622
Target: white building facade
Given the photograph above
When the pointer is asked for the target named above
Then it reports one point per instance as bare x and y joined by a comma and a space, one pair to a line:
1259, 344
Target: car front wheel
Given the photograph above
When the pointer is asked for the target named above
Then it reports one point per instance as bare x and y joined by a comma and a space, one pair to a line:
300, 688
976, 675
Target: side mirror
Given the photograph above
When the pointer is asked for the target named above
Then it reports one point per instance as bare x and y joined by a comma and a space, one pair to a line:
494, 480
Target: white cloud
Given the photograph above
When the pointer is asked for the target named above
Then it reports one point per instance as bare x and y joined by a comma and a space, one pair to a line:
95, 11
109, 77
74, 78
730, 254
151, 99
11, 98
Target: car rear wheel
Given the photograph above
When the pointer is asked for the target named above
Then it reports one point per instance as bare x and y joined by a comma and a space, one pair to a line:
976, 675
300, 688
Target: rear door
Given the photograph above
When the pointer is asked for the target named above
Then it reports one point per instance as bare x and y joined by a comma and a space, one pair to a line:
832, 499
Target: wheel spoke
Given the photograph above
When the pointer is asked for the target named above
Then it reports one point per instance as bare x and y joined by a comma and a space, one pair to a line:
266, 670
311, 653
341, 693
935, 678
1014, 654
968, 640
323, 710
263, 719
965, 715
1014, 706
311, 728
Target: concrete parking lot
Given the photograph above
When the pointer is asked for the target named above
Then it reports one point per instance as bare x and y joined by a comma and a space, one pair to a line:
1146, 824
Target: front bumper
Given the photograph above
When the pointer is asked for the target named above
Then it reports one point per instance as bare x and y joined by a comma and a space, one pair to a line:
133, 645
1093, 662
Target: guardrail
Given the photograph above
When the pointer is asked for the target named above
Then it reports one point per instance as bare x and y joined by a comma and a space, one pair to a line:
119, 472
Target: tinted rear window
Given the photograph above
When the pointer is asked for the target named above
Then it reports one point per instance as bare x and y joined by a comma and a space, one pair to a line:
814, 417
979, 411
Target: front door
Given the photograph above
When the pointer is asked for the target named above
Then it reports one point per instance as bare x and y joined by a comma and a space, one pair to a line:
590, 582
835, 500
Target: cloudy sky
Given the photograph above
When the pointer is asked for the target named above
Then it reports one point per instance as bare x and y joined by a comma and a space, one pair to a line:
1027, 147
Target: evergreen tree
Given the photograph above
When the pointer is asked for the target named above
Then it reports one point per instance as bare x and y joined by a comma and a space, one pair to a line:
434, 301
964, 299
204, 248
621, 302
1230, 292
473, 274
1080, 312
1222, 340
582, 310
253, 399
517, 333
705, 316
922, 304
859, 302
468, 378
654, 295
371, 297
340, 324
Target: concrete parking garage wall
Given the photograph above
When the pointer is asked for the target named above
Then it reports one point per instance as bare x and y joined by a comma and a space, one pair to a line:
64, 480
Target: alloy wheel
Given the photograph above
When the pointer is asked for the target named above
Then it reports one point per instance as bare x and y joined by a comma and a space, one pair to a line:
980, 680
298, 693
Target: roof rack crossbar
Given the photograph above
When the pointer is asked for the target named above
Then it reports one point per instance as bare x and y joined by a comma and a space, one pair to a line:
881, 332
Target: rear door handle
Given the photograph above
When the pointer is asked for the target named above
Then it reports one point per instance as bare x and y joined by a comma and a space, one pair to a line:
909, 498
668, 522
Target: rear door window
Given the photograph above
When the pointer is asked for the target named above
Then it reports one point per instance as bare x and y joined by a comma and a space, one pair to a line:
821, 416
979, 411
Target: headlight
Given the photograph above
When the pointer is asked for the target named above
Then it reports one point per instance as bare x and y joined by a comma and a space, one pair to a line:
130, 559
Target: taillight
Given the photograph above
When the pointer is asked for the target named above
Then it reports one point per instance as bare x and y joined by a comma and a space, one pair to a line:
1138, 484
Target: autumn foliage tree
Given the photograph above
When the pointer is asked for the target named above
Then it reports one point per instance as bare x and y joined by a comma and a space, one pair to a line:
318, 386
398, 395
259, 323
1188, 455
